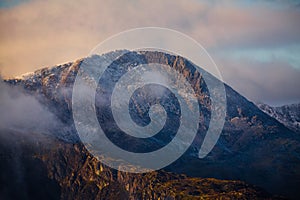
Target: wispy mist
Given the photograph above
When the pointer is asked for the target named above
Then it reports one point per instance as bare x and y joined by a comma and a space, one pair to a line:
24, 113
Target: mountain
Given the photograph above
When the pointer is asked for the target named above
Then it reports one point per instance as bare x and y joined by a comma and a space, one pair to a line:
253, 147
289, 115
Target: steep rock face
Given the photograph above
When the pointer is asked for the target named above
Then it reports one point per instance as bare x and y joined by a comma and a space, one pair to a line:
253, 146
289, 115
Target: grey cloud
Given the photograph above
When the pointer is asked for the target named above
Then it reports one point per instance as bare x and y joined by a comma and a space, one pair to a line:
275, 83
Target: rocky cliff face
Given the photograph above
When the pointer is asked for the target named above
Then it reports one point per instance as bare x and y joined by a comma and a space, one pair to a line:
253, 146
289, 115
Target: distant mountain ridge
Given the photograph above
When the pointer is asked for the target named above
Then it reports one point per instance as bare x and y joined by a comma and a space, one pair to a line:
289, 115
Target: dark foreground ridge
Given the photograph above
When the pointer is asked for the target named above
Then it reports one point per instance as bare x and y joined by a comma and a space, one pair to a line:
47, 168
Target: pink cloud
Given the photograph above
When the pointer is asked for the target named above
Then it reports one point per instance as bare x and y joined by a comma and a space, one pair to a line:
45, 33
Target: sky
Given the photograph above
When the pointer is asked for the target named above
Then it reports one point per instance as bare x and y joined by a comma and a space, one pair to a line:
255, 44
